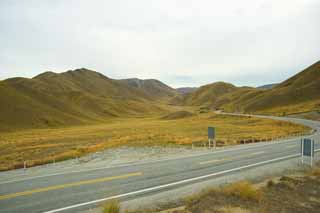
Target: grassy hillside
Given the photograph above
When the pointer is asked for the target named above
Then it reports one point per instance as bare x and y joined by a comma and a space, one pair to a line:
153, 88
208, 94
301, 93
83, 96
297, 94
74, 97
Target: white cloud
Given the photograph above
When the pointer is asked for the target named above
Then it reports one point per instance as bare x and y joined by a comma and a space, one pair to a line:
181, 42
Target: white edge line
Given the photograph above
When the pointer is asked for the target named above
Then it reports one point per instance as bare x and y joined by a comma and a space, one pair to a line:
249, 146
173, 184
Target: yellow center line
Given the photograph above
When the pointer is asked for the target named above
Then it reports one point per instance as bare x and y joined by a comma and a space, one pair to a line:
62, 186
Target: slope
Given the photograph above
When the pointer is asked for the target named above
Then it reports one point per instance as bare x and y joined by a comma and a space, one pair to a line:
74, 97
208, 94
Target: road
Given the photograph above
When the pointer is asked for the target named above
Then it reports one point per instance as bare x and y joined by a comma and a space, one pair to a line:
74, 191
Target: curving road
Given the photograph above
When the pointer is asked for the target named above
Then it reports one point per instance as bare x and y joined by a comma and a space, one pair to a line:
74, 191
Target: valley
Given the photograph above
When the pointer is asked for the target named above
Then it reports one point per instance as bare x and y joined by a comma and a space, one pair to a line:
58, 116
41, 146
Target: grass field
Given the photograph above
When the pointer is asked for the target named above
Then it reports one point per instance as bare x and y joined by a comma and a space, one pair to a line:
42, 146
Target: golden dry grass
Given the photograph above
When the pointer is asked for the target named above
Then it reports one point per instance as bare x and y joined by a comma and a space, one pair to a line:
243, 190
40, 146
112, 206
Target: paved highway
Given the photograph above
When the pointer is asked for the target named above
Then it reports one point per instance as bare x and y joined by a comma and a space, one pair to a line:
73, 191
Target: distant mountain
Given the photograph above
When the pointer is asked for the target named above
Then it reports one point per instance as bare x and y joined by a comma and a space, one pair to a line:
153, 88
73, 97
267, 86
186, 90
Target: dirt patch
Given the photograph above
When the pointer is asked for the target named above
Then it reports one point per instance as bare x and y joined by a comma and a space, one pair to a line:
178, 115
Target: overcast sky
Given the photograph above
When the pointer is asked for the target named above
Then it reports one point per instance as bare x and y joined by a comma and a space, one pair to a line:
180, 42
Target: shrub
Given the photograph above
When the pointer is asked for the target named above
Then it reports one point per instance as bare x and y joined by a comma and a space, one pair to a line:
270, 183
315, 172
112, 206
243, 190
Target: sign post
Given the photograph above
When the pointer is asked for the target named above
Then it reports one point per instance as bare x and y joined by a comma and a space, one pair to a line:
307, 149
211, 137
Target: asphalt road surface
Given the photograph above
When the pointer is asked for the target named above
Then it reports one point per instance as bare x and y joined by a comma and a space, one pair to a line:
74, 191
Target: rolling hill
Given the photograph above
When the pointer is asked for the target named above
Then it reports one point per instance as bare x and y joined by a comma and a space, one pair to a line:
74, 97
297, 94
300, 93
208, 94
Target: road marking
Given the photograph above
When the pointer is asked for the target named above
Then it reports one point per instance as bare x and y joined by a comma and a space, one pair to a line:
174, 183
62, 186
214, 161
294, 145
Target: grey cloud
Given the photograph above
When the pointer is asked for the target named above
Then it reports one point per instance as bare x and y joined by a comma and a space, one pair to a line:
177, 41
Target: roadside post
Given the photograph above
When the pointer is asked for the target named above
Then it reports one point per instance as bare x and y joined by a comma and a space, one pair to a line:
307, 149
211, 137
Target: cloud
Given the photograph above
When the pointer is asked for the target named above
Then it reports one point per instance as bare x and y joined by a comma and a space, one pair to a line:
177, 41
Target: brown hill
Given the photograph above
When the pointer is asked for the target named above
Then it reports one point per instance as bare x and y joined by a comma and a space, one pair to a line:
208, 94
301, 93
297, 94
74, 97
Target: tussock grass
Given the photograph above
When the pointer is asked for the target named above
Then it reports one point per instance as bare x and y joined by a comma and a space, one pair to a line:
112, 206
243, 190
230, 209
314, 172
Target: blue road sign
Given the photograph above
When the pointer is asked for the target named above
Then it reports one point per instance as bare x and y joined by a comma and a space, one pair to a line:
211, 132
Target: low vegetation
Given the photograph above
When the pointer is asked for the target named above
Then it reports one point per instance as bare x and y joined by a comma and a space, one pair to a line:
112, 206
41, 146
